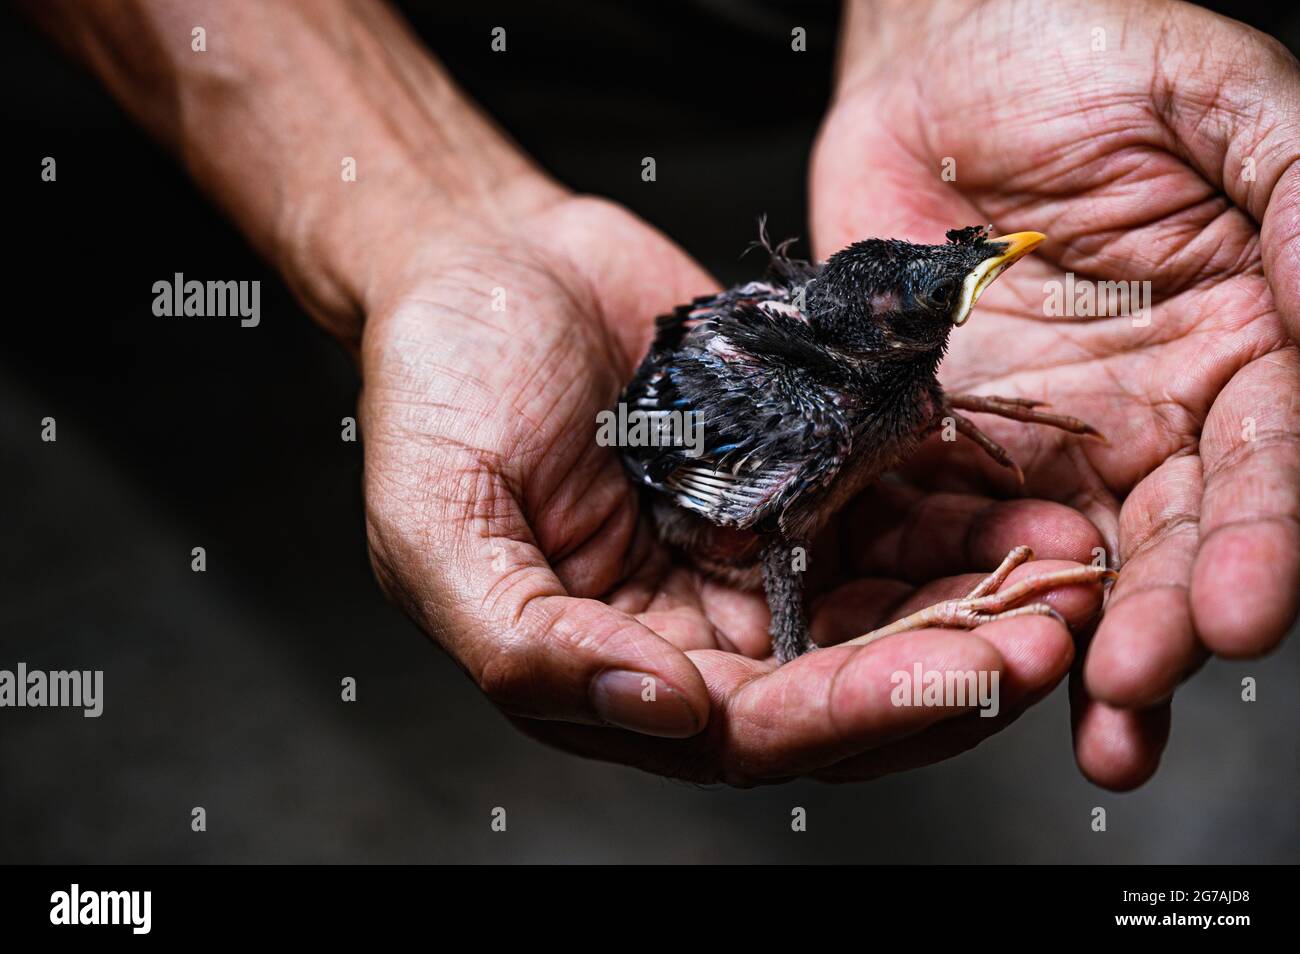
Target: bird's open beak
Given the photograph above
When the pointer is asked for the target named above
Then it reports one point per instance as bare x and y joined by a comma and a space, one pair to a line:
1019, 244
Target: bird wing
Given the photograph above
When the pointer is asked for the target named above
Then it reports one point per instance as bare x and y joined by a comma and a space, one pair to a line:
752, 385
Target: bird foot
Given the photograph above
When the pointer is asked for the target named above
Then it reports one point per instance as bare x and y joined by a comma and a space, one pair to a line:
987, 603
1023, 409
1016, 409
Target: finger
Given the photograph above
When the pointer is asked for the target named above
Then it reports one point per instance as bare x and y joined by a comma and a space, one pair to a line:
579, 660
1145, 644
898, 531
473, 578
1242, 141
833, 703
936, 744
1280, 235
1118, 749
1037, 653
740, 619
693, 611
773, 724
1061, 471
828, 706
669, 600
1246, 579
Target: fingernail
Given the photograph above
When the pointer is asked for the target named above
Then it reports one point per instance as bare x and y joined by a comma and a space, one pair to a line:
643, 703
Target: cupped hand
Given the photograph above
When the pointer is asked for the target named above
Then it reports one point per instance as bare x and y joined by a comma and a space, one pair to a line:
514, 539
1153, 143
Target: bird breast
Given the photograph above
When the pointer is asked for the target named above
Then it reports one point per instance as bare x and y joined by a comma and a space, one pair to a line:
882, 440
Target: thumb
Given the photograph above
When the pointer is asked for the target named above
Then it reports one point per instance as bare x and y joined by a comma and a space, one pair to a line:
578, 660
495, 604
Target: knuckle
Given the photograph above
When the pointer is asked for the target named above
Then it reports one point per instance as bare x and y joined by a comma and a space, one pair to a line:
509, 677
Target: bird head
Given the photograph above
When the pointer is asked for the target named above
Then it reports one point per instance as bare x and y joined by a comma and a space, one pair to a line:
883, 295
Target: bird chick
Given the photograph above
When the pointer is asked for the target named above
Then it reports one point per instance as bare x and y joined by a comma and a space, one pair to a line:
805, 387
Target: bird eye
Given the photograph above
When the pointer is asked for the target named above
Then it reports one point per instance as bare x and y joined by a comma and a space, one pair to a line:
942, 291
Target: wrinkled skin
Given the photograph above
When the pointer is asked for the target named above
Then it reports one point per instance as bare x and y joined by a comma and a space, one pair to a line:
1132, 161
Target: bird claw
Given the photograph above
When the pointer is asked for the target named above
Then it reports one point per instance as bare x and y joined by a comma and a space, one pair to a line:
1025, 410
988, 603
1016, 409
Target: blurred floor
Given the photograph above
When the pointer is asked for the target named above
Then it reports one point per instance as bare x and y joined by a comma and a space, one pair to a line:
222, 688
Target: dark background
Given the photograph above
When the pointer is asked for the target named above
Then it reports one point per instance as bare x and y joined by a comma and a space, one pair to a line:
222, 688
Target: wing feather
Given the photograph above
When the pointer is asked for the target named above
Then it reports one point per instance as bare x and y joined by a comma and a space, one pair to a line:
774, 422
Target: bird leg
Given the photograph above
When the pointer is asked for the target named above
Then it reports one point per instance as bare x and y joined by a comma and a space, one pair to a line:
784, 564
987, 603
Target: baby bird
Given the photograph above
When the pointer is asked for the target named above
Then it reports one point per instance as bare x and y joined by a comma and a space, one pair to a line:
804, 388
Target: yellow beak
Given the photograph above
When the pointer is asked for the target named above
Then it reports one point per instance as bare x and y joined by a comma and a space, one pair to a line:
1018, 245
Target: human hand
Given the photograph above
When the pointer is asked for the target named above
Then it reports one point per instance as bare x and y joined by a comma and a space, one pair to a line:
1133, 159
516, 541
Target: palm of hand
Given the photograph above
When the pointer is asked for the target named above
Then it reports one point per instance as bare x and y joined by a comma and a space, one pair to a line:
1196, 493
